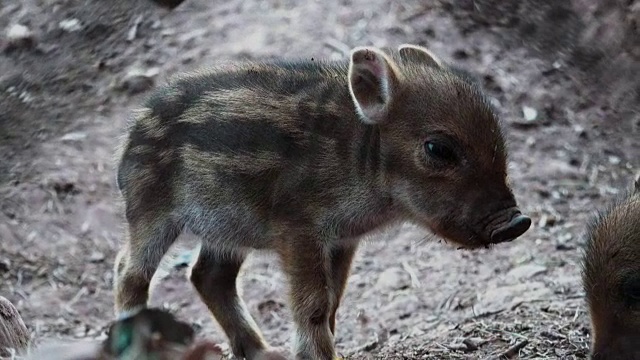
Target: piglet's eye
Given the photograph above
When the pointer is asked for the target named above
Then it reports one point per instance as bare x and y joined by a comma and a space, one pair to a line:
439, 151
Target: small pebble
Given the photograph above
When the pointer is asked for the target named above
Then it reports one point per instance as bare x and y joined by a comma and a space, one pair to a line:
70, 25
614, 160
530, 114
74, 136
20, 36
96, 257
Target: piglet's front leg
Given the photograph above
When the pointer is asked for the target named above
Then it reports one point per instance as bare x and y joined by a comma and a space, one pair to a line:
341, 259
306, 262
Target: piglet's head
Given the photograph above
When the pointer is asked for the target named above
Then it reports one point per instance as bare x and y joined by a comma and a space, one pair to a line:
443, 155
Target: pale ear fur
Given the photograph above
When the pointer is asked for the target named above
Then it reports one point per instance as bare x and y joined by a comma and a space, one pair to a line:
636, 184
419, 53
373, 80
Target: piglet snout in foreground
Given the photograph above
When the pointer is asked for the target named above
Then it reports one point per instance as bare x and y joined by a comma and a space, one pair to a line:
514, 225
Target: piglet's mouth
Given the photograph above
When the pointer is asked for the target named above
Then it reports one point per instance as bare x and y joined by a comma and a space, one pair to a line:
510, 229
502, 226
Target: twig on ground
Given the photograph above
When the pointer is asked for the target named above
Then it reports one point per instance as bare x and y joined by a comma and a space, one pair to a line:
415, 281
514, 350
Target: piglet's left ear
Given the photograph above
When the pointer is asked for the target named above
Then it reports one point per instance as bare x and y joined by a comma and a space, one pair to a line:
373, 81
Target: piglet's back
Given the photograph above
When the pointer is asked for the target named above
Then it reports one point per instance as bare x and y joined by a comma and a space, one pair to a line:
245, 119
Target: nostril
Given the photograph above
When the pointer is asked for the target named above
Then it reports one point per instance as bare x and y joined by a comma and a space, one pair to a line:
518, 225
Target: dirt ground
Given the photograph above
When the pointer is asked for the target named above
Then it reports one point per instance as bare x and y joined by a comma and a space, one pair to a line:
565, 78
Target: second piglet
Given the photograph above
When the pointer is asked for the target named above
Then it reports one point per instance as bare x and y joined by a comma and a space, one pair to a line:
611, 278
305, 158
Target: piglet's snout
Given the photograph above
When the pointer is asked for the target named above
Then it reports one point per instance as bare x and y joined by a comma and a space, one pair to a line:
513, 225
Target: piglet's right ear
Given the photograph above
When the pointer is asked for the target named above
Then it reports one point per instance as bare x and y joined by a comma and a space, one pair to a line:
373, 80
419, 53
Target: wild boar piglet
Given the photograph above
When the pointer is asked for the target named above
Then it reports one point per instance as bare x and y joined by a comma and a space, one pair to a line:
305, 158
611, 279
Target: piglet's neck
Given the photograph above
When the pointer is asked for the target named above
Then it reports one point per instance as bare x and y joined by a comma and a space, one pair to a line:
367, 155
370, 202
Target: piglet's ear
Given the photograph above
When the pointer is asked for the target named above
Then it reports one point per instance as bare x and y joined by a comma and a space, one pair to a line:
373, 80
636, 184
419, 54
